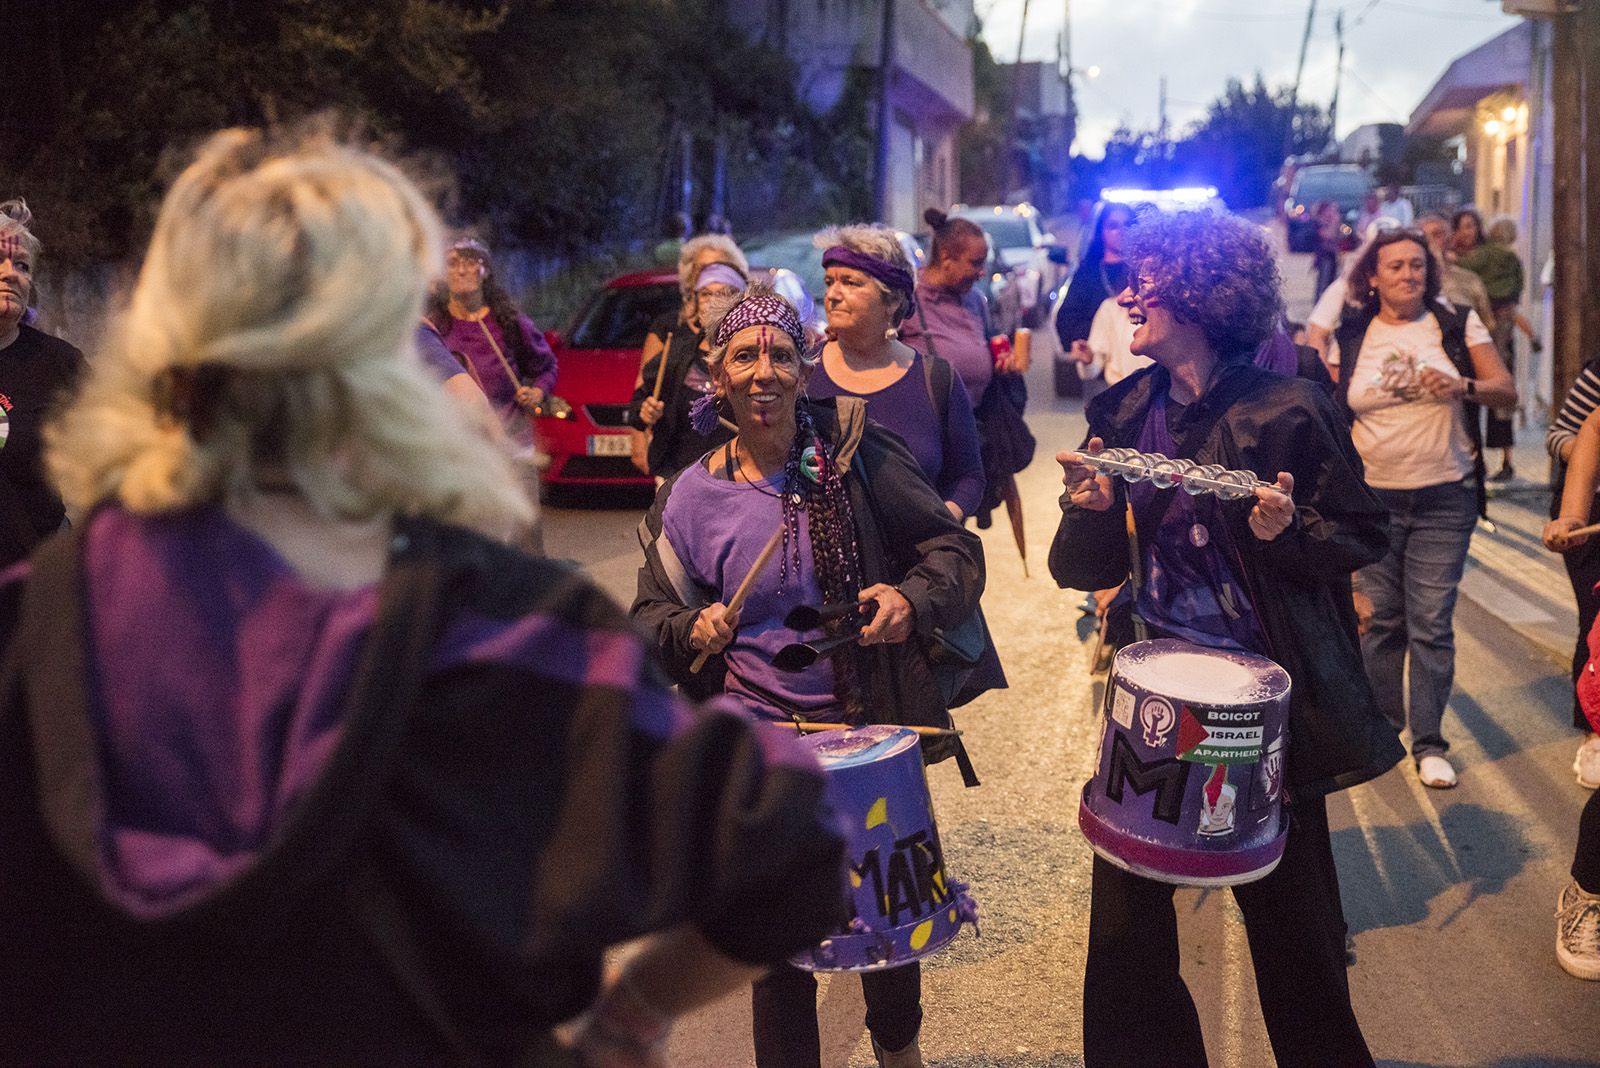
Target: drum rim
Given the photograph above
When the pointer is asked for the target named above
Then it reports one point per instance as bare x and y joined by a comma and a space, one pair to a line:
1271, 672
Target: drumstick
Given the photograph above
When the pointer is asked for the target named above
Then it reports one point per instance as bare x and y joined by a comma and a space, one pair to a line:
729, 423
1592, 528
812, 728
737, 601
511, 372
661, 367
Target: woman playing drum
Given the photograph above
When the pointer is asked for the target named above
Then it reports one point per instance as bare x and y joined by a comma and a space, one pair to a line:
1269, 575
858, 523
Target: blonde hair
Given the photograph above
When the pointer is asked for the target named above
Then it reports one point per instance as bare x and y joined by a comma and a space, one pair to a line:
880, 242
1503, 230
271, 333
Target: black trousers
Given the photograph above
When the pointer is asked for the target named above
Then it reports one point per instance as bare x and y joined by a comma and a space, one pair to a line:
1137, 1012
784, 1007
1586, 859
1583, 571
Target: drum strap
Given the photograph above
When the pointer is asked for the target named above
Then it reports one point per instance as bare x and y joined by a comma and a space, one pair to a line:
1135, 574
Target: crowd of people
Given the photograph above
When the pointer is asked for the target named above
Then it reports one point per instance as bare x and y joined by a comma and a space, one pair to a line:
384, 785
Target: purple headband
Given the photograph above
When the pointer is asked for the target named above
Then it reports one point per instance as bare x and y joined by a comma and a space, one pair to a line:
720, 274
762, 309
471, 246
898, 279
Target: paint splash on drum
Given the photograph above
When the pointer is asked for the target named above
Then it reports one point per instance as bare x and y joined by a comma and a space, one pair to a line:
878, 814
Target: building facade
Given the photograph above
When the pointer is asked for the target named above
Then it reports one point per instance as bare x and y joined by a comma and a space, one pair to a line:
930, 84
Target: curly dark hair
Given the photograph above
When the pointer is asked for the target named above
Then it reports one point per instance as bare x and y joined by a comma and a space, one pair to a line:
1477, 221
501, 310
1362, 293
1212, 270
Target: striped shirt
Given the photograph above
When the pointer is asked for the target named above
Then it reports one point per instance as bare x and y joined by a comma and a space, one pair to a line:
1582, 399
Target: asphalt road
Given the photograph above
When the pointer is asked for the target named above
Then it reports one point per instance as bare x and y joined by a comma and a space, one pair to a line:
1450, 895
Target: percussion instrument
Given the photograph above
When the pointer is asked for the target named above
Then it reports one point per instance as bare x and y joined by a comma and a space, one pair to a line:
903, 905
1188, 783
1164, 473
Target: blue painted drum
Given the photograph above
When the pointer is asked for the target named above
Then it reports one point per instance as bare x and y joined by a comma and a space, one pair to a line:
1188, 786
903, 905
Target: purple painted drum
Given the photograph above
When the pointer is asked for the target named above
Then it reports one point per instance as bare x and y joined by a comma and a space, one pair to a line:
1188, 786
903, 906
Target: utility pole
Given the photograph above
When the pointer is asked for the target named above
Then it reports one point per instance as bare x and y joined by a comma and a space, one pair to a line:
1567, 202
1338, 74
1294, 91
880, 168
1161, 134
1589, 36
1065, 63
1016, 102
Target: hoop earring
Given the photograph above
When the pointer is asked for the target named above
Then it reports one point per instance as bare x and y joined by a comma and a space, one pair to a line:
891, 334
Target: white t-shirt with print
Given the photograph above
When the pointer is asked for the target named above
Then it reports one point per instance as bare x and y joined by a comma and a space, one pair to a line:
1407, 437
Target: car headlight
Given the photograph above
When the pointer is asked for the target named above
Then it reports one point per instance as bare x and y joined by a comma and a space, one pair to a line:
553, 407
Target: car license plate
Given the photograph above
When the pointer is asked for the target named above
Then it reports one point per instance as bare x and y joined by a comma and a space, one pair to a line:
610, 445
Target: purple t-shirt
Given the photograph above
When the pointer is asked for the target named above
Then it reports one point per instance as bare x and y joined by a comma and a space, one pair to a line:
954, 326
717, 529
472, 340
947, 450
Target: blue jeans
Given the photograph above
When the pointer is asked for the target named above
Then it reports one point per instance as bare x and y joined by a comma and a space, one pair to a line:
1413, 592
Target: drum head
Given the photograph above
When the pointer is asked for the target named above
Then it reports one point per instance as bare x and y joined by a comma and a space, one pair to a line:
860, 745
1200, 676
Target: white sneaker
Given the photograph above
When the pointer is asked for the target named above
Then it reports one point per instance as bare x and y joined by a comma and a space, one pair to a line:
1586, 765
1578, 931
1435, 771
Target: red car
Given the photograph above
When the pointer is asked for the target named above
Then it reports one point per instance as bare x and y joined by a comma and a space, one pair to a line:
598, 357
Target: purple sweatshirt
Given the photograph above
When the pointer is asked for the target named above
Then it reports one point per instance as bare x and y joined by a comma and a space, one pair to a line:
472, 340
952, 326
946, 450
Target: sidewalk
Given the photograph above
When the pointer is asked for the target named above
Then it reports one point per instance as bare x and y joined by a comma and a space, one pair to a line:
1510, 574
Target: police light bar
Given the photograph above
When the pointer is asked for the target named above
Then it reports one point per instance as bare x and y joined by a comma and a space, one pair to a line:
1188, 194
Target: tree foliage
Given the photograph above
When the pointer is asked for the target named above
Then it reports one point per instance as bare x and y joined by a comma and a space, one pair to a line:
552, 117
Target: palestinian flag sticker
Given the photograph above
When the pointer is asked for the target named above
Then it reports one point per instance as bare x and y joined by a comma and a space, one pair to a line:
5, 419
1220, 735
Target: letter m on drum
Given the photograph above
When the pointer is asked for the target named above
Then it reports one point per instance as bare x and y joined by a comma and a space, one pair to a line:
1166, 777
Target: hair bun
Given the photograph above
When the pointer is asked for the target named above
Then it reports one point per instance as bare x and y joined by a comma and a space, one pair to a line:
935, 218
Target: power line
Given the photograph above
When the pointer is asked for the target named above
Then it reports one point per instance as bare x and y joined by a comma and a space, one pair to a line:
1370, 91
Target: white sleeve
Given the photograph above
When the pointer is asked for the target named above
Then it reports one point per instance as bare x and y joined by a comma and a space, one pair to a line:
1326, 311
1477, 333
1102, 337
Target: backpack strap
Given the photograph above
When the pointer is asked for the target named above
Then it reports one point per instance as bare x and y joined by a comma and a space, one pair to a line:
936, 373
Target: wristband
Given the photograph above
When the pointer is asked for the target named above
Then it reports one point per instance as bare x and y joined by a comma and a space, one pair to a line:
1472, 387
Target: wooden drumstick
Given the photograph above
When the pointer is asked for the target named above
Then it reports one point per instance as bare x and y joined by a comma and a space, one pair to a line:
511, 372
812, 728
739, 595
1592, 528
661, 367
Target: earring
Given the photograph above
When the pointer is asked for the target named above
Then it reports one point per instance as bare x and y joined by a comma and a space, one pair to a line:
891, 334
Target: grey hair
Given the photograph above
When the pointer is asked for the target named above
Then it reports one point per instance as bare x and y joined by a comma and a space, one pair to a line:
14, 219
729, 254
1502, 231
717, 310
878, 241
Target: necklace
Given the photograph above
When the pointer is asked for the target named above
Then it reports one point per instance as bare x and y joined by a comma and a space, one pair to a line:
738, 473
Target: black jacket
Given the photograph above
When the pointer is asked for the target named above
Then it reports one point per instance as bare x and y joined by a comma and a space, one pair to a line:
443, 894
906, 538
674, 443
1300, 581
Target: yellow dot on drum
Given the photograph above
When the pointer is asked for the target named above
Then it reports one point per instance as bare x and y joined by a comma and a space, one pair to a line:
855, 879
920, 936
952, 915
878, 814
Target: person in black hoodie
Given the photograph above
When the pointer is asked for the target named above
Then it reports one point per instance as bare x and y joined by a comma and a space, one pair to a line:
299, 764
35, 370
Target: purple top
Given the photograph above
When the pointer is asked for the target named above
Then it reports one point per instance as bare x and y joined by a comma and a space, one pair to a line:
205, 753
436, 354
1192, 587
717, 529
946, 450
471, 339
952, 326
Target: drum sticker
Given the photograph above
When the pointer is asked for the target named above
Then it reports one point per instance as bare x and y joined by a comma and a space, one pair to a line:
1216, 803
1166, 777
1122, 707
1157, 718
1220, 735
1269, 775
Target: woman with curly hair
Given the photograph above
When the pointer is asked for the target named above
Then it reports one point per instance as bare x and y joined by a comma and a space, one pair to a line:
1413, 375
1268, 575
507, 353
858, 524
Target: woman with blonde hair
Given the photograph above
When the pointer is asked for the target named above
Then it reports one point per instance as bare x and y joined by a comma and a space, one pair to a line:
374, 789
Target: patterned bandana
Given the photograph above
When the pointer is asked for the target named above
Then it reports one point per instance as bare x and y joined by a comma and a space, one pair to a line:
762, 309
898, 279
